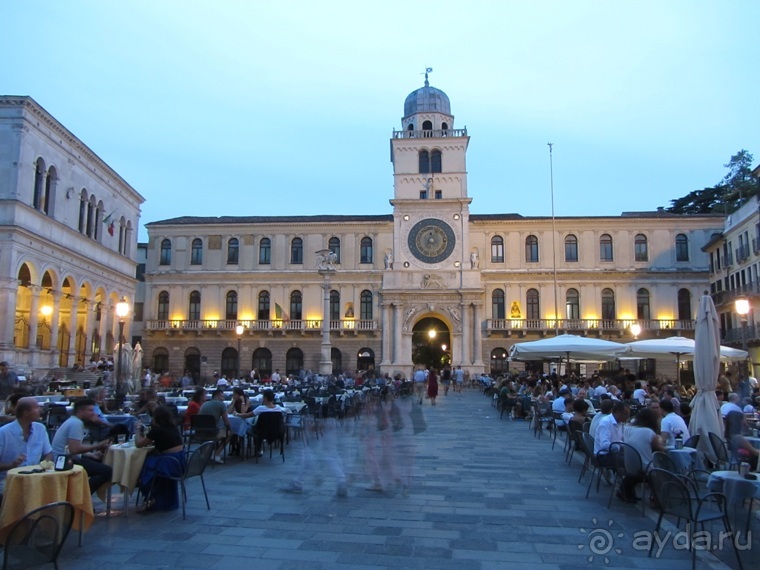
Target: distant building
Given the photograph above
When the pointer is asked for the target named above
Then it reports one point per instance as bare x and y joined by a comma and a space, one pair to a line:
67, 242
430, 272
734, 255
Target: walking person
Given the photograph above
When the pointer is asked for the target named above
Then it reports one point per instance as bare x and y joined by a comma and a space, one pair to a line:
432, 386
419, 383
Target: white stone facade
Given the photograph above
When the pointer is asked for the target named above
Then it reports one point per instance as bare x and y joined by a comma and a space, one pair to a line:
486, 280
61, 269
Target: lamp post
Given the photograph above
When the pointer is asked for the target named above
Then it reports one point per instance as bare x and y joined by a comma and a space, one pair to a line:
122, 310
742, 309
239, 330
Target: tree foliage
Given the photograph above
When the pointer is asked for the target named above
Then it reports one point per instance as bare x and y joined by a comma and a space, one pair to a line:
736, 187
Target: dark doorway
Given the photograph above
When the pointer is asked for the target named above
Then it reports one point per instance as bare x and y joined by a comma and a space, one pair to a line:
431, 343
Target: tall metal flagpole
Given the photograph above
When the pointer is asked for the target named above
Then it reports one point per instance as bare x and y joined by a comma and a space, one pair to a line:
554, 241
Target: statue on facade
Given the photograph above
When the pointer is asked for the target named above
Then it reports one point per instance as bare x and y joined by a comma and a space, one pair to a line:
389, 259
326, 260
474, 260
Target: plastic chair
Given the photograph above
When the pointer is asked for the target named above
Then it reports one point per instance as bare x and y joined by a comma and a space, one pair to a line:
38, 537
674, 499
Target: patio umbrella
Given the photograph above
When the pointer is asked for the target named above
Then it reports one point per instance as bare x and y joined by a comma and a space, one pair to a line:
681, 347
567, 346
705, 417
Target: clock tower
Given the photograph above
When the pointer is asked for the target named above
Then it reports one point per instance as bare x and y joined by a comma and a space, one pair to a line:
431, 271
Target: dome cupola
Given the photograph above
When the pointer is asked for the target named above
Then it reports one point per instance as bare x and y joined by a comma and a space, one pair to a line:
427, 99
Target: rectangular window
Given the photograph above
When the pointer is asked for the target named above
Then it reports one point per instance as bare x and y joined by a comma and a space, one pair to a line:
423, 194
139, 311
438, 194
140, 272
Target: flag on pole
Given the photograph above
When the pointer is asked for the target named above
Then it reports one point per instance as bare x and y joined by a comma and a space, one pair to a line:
109, 222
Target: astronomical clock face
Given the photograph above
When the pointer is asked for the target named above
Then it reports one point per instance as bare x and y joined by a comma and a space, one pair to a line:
431, 241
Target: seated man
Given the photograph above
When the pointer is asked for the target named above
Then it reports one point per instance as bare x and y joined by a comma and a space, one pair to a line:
609, 431
24, 441
672, 425
71, 435
731, 406
268, 406
217, 408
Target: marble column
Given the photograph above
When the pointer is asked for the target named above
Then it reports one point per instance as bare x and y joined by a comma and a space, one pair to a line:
8, 294
396, 344
89, 306
71, 350
54, 323
477, 330
385, 359
34, 316
105, 311
466, 335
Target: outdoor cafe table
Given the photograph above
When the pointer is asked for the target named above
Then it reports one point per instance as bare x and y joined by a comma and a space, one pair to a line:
26, 492
127, 420
686, 459
126, 461
49, 398
735, 487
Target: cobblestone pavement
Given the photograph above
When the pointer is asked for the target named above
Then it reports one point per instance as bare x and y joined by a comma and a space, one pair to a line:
486, 494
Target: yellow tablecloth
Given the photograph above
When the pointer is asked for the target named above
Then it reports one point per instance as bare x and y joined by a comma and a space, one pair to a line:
126, 463
24, 493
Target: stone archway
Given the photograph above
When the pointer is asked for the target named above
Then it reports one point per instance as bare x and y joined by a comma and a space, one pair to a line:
431, 343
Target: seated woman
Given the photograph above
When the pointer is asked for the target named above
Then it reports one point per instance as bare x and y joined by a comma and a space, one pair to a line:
194, 406
238, 407
161, 493
736, 425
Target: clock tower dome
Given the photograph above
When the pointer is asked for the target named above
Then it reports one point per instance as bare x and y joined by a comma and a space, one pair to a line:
430, 204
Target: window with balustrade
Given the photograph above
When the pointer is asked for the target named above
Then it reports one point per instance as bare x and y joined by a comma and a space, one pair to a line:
365, 305
194, 308
296, 305
642, 304
572, 305
608, 304
262, 313
334, 305
231, 306
498, 309
684, 305
162, 313
532, 306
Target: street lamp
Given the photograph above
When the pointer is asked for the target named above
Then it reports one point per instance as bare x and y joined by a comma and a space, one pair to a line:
239, 330
122, 310
635, 330
742, 309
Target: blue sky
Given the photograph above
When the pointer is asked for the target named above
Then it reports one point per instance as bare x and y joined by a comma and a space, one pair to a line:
275, 108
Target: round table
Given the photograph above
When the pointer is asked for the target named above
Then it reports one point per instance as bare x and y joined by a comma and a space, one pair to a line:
736, 489
26, 492
686, 459
126, 461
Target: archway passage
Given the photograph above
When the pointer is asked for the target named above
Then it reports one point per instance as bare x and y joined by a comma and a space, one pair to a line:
431, 343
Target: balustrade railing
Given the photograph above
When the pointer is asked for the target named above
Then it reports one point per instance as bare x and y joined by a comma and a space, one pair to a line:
580, 325
445, 133
260, 325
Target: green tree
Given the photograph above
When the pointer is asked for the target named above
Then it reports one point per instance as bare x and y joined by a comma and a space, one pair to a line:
736, 187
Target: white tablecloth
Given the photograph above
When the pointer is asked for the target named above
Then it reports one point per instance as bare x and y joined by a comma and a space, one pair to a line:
735, 487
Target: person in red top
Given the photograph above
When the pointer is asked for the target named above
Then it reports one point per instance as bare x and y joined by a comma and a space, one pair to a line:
194, 406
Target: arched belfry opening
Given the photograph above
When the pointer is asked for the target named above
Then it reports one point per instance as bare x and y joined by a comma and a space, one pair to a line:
431, 343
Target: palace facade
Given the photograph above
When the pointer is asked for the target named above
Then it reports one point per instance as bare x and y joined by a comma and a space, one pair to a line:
473, 283
67, 243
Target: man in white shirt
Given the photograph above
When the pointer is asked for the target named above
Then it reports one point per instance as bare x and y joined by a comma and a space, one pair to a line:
609, 431
672, 424
599, 390
275, 377
640, 393
419, 383
731, 406
605, 409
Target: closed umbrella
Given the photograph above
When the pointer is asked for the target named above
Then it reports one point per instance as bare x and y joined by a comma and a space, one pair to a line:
705, 416
137, 358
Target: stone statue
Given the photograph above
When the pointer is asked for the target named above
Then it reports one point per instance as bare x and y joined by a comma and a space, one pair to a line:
431, 281
474, 260
326, 260
389, 259
454, 312
514, 310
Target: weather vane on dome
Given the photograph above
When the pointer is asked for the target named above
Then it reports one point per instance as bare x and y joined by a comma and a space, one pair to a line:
427, 70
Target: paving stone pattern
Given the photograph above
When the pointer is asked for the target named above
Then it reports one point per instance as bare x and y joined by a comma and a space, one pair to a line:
486, 494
